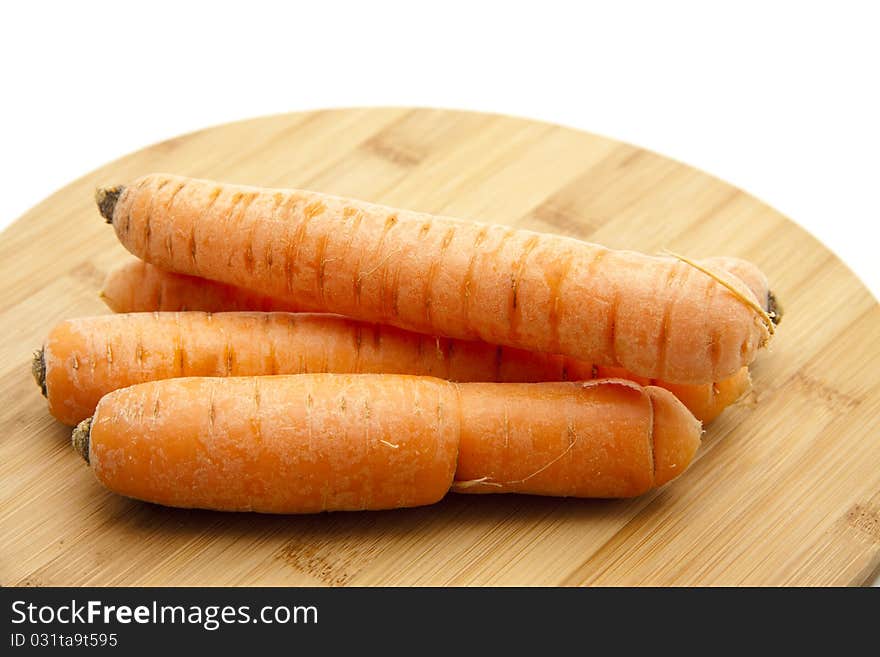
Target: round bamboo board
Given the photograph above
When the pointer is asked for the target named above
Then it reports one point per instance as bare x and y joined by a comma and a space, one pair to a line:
786, 488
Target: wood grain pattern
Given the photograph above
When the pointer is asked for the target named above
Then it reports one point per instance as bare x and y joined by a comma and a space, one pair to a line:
786, 489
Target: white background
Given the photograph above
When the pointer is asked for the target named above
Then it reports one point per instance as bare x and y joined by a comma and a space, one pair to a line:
779, 98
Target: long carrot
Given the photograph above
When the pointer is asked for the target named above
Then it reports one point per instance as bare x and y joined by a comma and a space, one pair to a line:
660, 317
83, 359
322, 442
138, 286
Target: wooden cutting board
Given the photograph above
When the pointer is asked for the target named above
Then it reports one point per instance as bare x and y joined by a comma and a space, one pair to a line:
786, 489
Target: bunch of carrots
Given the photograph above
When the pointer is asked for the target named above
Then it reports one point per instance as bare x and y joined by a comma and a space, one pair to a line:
290, 351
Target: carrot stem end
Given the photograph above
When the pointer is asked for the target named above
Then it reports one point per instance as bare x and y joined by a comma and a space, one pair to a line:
38, 369
106, 198
80, 438
774, 308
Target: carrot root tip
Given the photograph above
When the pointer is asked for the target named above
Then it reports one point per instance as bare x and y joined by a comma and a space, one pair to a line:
106, 198
38, 369
774, 308
462, 485
80, 438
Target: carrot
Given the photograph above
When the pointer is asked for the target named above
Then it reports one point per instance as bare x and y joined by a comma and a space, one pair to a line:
323, 442
138, 287
659, 317
83, 359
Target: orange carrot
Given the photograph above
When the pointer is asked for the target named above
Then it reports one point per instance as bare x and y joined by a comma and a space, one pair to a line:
660, 317
323, 442
139, 287
84, 359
